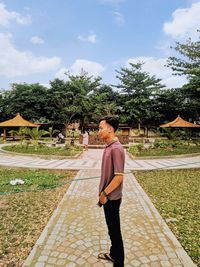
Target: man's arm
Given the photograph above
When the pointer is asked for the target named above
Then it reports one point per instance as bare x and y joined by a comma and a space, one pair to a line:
116, 181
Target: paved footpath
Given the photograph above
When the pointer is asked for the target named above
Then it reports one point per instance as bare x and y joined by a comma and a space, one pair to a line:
76, 232
92, 160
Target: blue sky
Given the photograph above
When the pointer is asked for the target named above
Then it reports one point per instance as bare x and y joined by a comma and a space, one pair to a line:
41, 40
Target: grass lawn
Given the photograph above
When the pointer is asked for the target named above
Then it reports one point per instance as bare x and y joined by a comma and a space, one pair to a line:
45, 150
165, 151
176, 194
24, 215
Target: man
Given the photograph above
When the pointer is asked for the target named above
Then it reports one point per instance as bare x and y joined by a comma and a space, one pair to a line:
110, 188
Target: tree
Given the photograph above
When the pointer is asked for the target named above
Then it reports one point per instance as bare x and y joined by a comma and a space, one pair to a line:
188, 64
138, 91
3, 105
169, 104
35, 135
103, 102
21, 133
69, 101
27, 99
52, 132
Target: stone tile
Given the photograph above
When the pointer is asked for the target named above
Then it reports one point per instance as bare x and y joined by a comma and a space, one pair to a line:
40, 264
175, 261
81, 261
92, 260
61, 262
165, 264
54, 254
78, 231
52, 260
153, 258
135, 263
72, 258
43, 258
62, 255
70, 264
155, 264
144, 259
98, 264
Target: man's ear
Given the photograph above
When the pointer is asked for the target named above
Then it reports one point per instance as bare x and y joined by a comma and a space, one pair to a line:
110, 129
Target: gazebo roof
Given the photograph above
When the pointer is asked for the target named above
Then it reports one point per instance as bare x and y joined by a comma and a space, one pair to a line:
17, 121
179, 123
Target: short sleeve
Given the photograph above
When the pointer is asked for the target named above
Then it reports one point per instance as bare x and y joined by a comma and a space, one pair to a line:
118, 158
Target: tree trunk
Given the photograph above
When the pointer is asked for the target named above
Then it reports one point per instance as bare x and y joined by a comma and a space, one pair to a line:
139, 127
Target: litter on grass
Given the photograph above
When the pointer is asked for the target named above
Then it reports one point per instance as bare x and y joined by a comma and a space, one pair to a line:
16, 182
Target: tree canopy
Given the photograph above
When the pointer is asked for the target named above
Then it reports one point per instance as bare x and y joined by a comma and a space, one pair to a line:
138, 93
138, 98
188, 64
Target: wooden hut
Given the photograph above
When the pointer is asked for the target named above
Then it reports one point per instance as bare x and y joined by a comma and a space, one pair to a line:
179, 123
16, 122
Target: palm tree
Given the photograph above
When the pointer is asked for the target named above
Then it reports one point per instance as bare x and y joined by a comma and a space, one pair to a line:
36, 134
52, 131
21, 133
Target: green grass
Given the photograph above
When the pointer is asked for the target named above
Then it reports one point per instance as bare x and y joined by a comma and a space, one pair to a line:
45, 150
176, 194
165, 151
24, 215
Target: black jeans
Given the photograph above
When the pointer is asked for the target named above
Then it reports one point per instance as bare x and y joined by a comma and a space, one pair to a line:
111, 210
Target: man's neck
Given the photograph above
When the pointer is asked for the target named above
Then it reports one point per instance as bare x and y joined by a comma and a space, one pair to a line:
110, 139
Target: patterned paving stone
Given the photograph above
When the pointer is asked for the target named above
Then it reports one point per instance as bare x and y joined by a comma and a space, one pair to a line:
91, 159
77, 232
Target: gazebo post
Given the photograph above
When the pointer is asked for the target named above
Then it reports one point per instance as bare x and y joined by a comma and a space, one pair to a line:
4, 134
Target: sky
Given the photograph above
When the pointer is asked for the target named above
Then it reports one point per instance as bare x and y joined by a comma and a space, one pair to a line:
43, 40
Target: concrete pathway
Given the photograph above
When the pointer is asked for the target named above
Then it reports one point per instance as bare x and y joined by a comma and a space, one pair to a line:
76, 232
91, 159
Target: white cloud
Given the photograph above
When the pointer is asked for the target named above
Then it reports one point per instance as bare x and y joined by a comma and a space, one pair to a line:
91, 67
7, 16
47, 85
165, 47
185, 22
119, 18
36, 40
92, 38
61, 74
156, 66
15, 63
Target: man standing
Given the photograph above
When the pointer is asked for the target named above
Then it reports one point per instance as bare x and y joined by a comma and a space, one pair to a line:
110, 188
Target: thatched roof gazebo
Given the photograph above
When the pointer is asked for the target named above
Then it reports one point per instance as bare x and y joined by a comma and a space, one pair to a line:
179, 123
17, 121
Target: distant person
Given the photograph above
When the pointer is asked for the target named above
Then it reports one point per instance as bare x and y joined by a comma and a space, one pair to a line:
110, 188
61, 138
85, 139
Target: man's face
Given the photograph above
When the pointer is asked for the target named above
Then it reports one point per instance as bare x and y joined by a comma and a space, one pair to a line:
104, 130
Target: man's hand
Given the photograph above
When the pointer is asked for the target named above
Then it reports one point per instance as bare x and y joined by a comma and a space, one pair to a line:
102, 199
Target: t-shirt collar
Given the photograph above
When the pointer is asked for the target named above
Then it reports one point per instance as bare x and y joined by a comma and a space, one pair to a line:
115, 139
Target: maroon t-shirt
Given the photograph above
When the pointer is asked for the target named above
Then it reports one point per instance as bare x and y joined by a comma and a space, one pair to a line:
112, 164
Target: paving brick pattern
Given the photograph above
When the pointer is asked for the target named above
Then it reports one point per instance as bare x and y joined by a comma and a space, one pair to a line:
76, 232
92, 160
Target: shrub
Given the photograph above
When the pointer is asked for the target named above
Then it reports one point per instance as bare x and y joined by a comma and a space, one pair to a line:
135, 150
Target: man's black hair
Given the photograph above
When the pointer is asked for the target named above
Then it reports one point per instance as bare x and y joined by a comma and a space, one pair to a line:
112, 121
